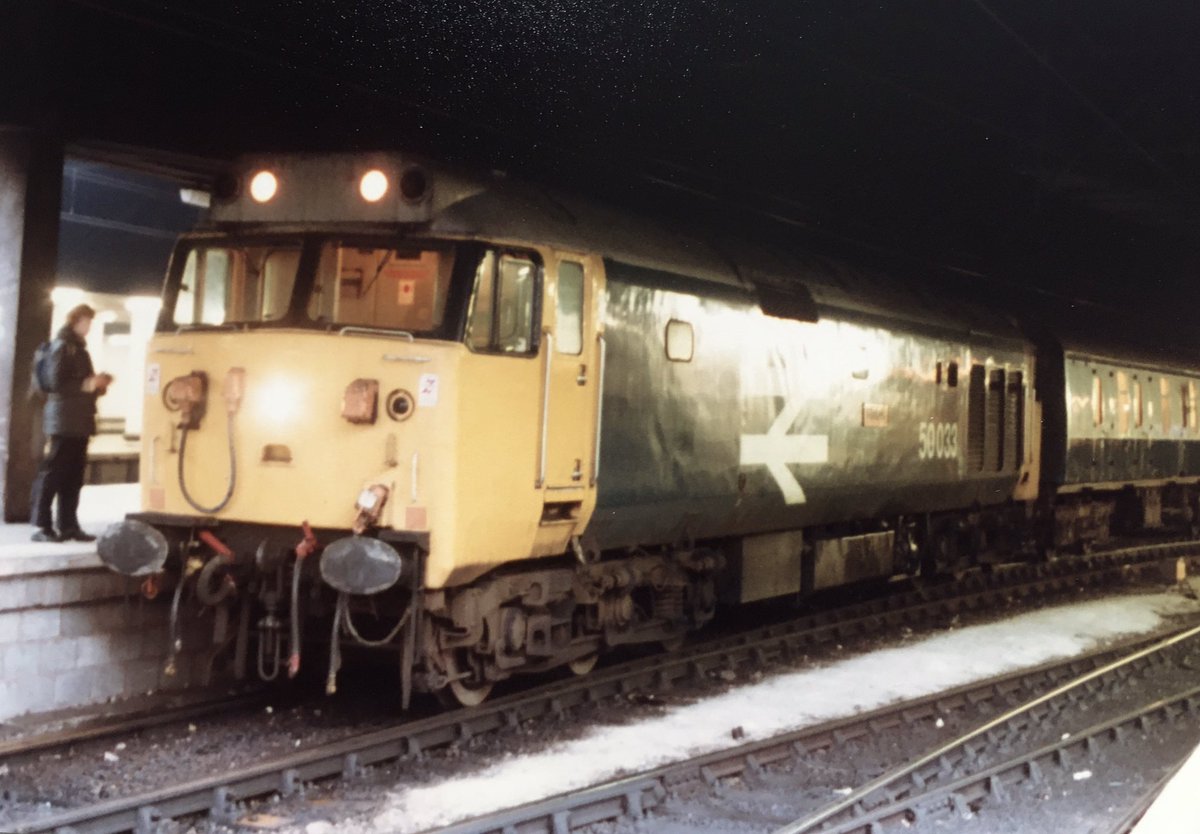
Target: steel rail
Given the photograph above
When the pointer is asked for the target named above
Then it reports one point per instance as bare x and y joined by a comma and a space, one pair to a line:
855, 797
631, 796
101, 727
347, 756
997, 779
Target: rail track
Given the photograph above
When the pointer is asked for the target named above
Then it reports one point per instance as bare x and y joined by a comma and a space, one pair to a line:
995, 782
101, 727
219, 795
920, 787
925, 789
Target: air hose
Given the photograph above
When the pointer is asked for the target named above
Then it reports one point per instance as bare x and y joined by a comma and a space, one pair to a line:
216, 508
306, 547
343, 623
294, 619
174, 644
211, 589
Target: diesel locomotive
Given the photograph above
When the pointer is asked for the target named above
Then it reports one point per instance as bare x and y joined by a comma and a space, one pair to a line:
519, 428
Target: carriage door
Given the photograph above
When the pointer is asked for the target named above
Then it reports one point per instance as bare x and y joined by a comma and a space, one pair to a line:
569, 388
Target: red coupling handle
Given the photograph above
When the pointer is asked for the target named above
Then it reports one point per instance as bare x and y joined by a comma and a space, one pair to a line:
217, 545
308, 544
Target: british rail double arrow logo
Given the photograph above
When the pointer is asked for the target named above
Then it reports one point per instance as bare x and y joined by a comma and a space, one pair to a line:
777, 449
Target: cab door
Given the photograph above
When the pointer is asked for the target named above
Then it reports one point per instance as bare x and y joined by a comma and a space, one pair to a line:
571, 375
570, 396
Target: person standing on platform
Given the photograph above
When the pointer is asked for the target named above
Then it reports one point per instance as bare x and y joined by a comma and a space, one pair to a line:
69, 422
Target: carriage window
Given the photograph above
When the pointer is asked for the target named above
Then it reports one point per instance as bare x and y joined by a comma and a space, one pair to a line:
569, 317
681, 341
227, 284
1138, 406
1124, 402
501, 318
1164, 390
1097, 400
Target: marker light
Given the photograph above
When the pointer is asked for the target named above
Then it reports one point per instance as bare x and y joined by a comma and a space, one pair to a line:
263, 186
373, 185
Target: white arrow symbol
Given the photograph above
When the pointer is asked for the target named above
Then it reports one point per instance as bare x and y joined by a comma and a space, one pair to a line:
776, 449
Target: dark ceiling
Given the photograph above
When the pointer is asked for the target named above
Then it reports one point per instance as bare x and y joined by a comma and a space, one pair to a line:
1046, 143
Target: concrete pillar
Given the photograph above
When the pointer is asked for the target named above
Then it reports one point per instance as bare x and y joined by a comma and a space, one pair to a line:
31, 166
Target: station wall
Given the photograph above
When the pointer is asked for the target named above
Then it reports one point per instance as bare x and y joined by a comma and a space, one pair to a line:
73, 634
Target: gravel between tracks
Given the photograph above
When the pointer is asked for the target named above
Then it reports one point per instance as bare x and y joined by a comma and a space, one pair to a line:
1079, 796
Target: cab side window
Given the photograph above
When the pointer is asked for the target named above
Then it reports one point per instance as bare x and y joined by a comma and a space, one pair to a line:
503, 311
569, 319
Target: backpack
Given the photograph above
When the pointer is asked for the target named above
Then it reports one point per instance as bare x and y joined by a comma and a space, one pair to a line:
40, 380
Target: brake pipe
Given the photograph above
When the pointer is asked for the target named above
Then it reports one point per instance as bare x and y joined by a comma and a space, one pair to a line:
305, 548
335, 646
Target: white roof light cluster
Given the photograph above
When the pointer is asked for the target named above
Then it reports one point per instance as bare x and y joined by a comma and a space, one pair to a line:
372, 187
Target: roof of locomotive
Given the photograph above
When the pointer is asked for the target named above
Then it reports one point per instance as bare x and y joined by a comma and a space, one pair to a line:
462, 203
522, 211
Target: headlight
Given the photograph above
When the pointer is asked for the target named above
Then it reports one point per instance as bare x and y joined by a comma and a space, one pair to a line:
263, 186
277, 401
373, 186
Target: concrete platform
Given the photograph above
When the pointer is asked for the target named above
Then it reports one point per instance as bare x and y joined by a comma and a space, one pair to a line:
1177, 809
99, 506
73, 633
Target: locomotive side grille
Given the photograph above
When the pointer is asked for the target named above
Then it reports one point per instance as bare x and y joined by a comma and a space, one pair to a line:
976, 398
1014, 410
994, 429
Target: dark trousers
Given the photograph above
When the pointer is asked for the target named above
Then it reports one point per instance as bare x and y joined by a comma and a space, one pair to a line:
60, 473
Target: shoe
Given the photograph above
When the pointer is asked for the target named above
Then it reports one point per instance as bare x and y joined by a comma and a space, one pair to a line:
75, 535
44, 534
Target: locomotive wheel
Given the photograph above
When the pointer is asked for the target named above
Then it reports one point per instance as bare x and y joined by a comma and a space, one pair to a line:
584, 665
469, 691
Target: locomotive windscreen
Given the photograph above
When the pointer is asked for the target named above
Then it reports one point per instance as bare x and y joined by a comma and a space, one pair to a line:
318, 281
386, 287
224, 284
